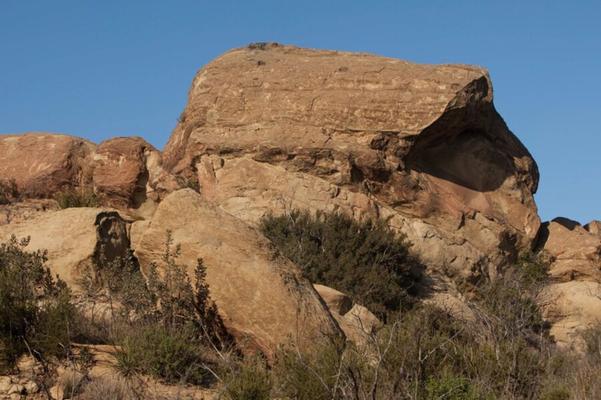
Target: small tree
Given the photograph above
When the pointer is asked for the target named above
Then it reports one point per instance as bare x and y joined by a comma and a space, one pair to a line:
36, 313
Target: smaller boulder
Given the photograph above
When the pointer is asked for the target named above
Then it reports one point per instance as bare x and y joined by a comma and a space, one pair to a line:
336, 301
356, 321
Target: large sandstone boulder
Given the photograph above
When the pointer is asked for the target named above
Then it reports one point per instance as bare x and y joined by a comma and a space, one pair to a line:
572, 302
261, 296
271, 127
127, 172
75, 238
43, 164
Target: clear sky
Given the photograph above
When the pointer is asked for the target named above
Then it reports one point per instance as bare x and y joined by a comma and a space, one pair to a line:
99, 69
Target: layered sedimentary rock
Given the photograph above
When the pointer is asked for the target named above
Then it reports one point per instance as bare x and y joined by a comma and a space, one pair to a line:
572, 302
261, 297
272, 127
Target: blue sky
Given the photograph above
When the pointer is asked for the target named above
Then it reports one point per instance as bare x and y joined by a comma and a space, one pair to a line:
99, 69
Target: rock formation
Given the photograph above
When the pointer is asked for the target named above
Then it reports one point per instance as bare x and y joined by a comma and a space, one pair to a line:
75, 239
123, 172
270, 128
274, 127
261, 297
43, 164
573, 299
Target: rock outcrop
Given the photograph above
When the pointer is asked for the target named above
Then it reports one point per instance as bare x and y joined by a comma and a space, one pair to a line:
43, 164
124, 172
273, 127
572, 301
261, 297
75, 239
127, 172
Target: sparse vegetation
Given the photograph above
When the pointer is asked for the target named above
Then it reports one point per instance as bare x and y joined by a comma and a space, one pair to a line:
249, 380
171, 335
105, 388
36, 312
167, 327
8, 192
366, 260
77, 198
504, 352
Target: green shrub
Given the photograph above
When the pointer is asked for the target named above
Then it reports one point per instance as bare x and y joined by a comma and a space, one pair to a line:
169, 354
36, 314
250, 380
366, 260
175, 322
77, 198
450, 387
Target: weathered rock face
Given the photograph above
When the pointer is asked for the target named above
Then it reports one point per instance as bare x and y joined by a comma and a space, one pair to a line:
260, 295
125, 172
128, 172
43, 164
75, 239
273, 127
573, 301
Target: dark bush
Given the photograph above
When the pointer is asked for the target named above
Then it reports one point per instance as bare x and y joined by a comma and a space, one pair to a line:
366, 260
8, 191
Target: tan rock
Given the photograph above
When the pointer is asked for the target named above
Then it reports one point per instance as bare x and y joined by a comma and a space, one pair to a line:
5, 384
594, 227
356, 321
24, 210
421, 145
575, 251
128, 171
74, 238
261, 296
16, 388
572, 302
572, 307
43, 164
336, 301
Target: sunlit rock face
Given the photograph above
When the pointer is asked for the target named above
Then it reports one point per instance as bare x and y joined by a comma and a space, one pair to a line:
572, 301
271, 127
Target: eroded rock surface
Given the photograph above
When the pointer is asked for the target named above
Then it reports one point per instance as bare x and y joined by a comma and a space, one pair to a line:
75, 238
43, 164
572, 301
279, 127
261, 297
124, 172
128, 172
